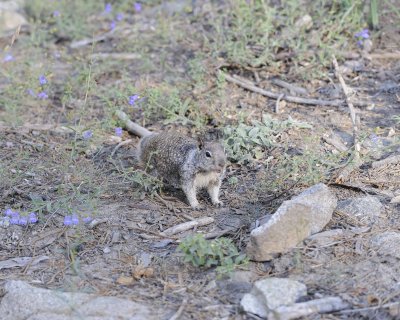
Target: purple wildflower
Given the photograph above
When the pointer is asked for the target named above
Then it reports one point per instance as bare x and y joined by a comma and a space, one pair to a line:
8, 212
23, 221
67, 221
133, 99
14, 218
118, 132
108, 8
33, 217
42, 95
31, 92
56, 13
138, 7
119, 17
112, 25
42, 80
364, 34
87, 219
57, 54
8, 58
374, 139
75, 219
87, 134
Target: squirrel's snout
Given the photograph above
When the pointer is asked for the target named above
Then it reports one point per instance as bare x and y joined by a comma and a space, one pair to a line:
220, 164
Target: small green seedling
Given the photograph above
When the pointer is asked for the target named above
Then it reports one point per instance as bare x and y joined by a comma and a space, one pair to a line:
221, 253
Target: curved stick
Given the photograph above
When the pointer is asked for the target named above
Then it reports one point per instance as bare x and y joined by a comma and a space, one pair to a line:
132, 126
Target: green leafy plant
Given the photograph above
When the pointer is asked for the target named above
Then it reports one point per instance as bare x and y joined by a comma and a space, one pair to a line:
169, 105
246, 143
145, 182
374, 14
221, 253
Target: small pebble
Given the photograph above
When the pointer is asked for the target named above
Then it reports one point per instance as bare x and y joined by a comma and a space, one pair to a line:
106, 250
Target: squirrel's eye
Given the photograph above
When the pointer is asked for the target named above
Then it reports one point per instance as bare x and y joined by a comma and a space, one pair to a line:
208, 154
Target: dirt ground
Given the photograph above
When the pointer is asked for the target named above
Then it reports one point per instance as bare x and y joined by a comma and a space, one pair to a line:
123, 254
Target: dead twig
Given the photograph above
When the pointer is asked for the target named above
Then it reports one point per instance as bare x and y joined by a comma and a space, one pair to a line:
165, 203
85, 42
385, 162
278, 101
132, 126
179, 312
336, 142
297, 310
219, 233
27, 127
95, 222
385, 55
273, 95
115, 56
154, 234
290, 87
383, 306
187, 226
356, 161
24, 262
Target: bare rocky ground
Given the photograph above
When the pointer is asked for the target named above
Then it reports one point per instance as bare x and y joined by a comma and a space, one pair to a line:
122, 253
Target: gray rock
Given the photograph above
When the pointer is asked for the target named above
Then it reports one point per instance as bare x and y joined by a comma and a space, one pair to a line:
387, 243
294, 221
10, 20
365, 210
12, 5
25, 302
269, 294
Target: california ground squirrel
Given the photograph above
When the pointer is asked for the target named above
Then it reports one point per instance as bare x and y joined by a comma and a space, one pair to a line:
181, 161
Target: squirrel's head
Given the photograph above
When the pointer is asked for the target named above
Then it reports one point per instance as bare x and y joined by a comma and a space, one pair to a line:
211, 156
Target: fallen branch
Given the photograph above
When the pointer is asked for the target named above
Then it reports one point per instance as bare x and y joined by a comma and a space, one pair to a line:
132, 126
290, 87
179, 312
303, 309
356, 161
21, 262
336, 142
387, 161
85, 42
115, 56
165, 203
26, 128
385, 55
273, 95
217, 234
187, 226
392, 305
278, 101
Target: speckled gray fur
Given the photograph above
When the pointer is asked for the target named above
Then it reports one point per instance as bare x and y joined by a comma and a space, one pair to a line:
183, 163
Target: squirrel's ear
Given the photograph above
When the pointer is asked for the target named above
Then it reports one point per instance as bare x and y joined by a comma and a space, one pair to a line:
200, 142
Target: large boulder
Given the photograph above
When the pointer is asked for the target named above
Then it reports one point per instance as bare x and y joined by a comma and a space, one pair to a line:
294, 221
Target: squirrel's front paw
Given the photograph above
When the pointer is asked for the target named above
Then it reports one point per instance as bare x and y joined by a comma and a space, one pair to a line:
196, 205
218, 204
